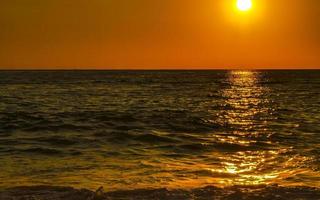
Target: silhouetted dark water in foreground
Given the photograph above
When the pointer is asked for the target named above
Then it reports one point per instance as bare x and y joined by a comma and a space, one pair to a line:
159, 129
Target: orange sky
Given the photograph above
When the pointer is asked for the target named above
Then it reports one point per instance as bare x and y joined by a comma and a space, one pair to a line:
152, 34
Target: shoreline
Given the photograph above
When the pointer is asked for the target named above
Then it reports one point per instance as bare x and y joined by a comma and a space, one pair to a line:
210, 192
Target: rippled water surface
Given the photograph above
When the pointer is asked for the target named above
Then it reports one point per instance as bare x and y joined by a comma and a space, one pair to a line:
151, 129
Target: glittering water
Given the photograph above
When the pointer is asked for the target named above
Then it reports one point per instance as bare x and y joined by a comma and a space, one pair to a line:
151, 129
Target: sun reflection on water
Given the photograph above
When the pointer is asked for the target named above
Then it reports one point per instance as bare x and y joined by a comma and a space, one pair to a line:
245, 102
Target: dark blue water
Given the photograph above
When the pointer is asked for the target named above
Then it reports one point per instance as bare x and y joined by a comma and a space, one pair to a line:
151, 129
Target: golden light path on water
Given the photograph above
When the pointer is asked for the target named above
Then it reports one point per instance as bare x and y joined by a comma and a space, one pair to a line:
254, 159
247, 99
245, 96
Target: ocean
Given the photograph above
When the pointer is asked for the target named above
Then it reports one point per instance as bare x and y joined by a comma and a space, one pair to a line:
159, 129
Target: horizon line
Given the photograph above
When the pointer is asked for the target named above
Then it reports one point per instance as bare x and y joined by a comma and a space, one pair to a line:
150, 68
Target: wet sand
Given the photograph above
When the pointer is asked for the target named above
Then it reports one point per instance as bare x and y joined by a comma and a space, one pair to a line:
210, 192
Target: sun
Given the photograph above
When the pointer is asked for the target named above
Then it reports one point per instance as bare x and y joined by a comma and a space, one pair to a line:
244, 5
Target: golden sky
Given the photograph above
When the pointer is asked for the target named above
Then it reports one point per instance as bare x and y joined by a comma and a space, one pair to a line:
152, 34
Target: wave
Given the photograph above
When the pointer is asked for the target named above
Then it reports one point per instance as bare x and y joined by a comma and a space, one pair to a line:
206, 193
45, 151
41, 151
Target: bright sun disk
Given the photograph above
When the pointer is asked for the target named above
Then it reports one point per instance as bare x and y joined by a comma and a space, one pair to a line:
244, 5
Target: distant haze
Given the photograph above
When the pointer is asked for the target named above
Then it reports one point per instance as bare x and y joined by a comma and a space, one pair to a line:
154, 34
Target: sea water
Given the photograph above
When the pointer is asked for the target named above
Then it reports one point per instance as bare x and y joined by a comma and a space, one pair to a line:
159, 129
